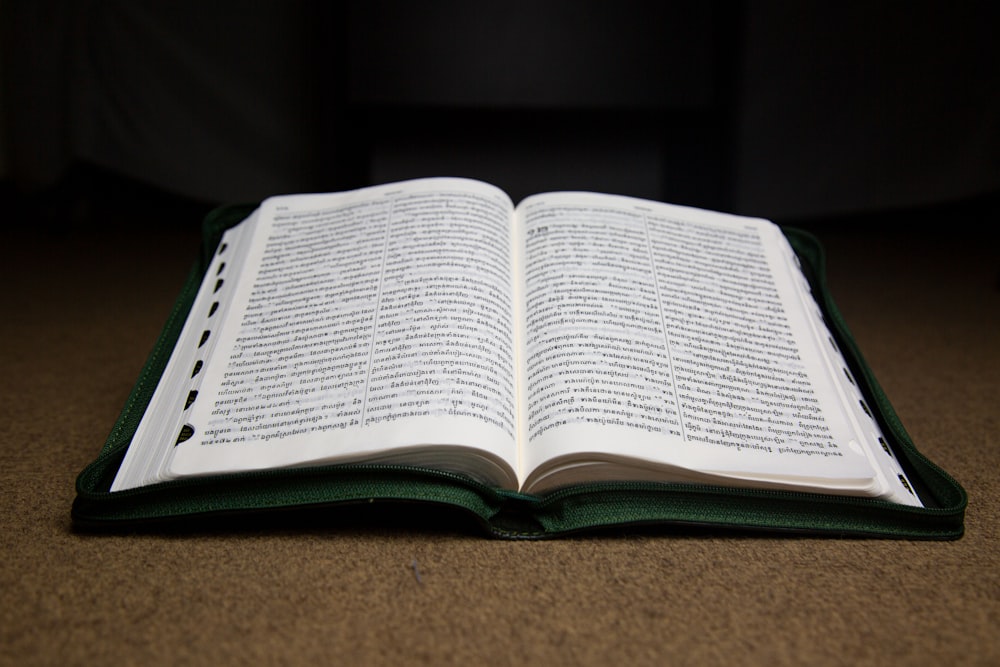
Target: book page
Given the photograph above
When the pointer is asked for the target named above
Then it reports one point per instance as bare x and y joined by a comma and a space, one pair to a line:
375, 325
662, 339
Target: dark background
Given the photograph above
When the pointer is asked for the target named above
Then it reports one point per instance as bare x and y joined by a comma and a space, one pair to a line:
800, 112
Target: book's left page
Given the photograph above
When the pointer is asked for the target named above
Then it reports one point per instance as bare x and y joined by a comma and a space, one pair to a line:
375, 325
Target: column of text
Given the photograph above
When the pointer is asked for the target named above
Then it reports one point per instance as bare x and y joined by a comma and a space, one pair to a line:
740, 378
596, 347
444, 342
300, 359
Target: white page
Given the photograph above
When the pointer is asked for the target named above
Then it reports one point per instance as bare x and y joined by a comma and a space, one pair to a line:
367, 324
643, 348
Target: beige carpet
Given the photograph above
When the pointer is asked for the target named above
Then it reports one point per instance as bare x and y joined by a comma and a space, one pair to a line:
80, 312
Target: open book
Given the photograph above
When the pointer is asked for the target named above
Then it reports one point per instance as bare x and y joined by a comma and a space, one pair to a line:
573, 338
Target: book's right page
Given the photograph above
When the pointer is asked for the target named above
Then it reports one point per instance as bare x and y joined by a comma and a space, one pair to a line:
677, 344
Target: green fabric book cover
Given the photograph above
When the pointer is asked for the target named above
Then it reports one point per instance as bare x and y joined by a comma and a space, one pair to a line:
507, 512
